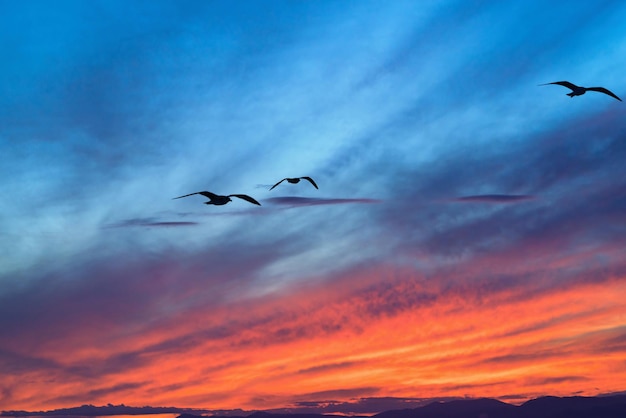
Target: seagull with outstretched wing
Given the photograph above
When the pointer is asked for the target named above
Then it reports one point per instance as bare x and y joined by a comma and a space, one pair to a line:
215, 199
579, 91
295, 180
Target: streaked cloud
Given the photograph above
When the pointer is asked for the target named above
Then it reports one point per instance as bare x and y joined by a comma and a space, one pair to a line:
467, 240
149, 222
314, 201
495, 198
326, 367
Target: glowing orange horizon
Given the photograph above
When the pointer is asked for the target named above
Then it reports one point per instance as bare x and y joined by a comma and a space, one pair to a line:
325, 339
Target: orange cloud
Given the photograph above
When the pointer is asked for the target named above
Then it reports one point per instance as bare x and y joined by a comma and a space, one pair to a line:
380, 332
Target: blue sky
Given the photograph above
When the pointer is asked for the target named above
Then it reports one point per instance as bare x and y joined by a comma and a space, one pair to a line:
443, 169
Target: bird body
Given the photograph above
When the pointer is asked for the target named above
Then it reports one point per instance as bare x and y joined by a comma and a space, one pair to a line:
215, 199
579, 91
294, 180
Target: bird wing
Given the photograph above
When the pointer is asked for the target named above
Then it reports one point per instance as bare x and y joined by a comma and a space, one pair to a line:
190, 194
605, 91
311, 180
567, 84
277, 183
246, 197
207, 194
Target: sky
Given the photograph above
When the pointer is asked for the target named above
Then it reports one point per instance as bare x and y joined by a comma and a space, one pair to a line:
468, 237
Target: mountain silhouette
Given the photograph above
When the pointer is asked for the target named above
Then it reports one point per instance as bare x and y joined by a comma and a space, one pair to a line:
490, 408
545, 407
576, 407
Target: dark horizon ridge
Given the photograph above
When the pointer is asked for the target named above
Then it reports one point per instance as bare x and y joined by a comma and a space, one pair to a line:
601, 406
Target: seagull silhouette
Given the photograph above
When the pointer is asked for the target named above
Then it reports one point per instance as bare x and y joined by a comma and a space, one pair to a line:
579, 91
295, 180
215, 199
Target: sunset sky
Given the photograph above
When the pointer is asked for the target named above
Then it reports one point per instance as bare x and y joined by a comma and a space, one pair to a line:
468, 238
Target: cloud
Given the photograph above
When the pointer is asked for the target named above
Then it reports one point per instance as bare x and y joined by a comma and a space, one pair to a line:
14, 363
551, 380
149, 222
358, 303
326, 367
397, 289
359, 405
495, 198
293, 201
339, 393
104, 393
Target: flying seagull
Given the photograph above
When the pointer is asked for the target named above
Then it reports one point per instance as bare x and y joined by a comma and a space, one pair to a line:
215, 199
579, 91
295, 180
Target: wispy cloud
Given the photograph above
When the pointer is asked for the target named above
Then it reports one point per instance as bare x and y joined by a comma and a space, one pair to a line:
357, 405
542, 381
294, 201
326, 367
468, 236
105, 392
495, 198
148, 222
